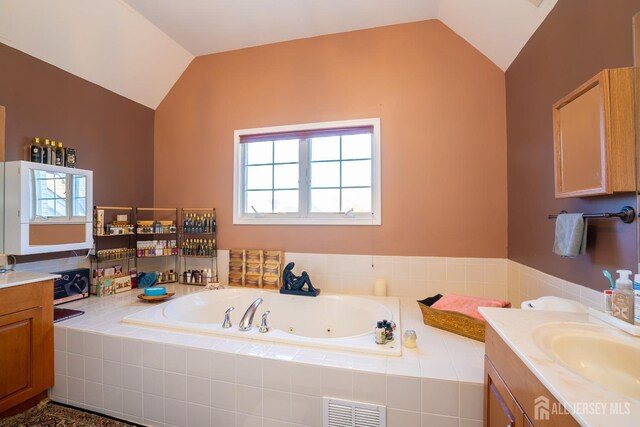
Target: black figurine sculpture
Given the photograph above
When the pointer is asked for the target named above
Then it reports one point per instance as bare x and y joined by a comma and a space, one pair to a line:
292, 284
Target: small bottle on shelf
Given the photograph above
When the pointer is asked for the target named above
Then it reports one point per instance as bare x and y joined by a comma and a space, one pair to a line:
35, 151
59, 155
46, 152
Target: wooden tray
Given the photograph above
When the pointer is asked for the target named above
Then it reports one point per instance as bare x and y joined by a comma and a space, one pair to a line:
156, 298
452, 321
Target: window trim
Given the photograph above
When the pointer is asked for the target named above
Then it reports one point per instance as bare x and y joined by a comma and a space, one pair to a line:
313, 218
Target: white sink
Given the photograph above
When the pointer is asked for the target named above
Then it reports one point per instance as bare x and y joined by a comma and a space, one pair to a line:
603, 355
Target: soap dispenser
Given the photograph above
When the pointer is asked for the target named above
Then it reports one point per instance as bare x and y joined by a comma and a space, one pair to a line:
622, 300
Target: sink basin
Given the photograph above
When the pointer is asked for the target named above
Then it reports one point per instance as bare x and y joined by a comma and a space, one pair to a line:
605, 356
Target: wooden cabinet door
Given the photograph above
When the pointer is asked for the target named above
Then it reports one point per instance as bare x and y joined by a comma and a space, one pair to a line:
594, 136
20, 356
501, 408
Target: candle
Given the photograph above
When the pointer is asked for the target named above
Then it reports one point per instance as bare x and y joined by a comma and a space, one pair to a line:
380, 287
410, 338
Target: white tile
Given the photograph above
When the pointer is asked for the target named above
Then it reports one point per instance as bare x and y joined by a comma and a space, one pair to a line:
306, 410
249, 400
113, 398
59, 338
60, 362
223, 367
93, 394
153, 408
198, 415
112, 348
431, 420
370, 388
276, 405
275, 375
199, 390
75, 341
175, 359
93, 345
153, 382
75, 365
469, 423
337, 383
222, 418
132, 377
249, 371
152, 355
198, 363
175, 412
471, 401
267, 422
403, 393
112, 373
132, 403
75, 389
400, 418
440, 397
223, 395
59, 389
93, 369
175, 386
132, 351
244, 420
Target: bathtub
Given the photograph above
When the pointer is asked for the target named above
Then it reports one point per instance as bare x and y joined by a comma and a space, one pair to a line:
338, 322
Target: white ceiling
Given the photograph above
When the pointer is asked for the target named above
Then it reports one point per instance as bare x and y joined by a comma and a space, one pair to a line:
139, 48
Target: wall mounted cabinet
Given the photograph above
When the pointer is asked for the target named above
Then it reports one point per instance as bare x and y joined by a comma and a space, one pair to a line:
594, 137
47, 208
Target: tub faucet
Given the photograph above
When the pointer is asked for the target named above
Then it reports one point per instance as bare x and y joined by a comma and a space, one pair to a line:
247, 319
227, 323
264, 328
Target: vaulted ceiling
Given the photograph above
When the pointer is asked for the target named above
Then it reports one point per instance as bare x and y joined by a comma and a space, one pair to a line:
139, 48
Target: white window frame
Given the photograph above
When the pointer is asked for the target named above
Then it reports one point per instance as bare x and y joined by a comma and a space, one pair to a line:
315, 218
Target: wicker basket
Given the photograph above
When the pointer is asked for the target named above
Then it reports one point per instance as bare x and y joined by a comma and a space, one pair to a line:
452, 321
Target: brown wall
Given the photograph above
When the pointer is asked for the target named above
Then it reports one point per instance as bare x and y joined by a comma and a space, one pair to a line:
113, 135
578, 39
442, 111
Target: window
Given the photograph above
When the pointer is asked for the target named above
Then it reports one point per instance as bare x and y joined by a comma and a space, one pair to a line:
58, 195
319, 173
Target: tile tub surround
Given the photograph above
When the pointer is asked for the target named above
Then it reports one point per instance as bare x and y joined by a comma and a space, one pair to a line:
406, 276
525, 283
165, 378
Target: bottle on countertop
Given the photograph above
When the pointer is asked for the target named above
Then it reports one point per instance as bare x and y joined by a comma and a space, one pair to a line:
35, 150
622, 301
381, 333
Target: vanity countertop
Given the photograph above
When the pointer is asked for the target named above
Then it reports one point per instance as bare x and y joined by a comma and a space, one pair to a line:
591, 404
17, 278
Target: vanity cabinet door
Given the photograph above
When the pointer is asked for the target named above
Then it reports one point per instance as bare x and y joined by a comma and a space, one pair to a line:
593, 136
501, 409
26, 342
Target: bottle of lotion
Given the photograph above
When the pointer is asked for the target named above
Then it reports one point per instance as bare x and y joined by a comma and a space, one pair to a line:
622, 300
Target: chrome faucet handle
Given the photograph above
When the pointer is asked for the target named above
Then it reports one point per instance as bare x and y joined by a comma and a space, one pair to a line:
227, 323
264, 328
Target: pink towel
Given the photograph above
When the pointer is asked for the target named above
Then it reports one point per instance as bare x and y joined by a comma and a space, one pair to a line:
468, 305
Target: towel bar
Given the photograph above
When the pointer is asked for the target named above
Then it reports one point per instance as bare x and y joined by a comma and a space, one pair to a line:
627, 214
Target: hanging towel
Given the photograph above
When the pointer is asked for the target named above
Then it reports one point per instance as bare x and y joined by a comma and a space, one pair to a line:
571, 235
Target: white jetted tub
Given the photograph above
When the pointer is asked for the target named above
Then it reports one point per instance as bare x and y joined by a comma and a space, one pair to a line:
339, 322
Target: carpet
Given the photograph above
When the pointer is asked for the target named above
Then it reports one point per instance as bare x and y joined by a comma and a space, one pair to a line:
53, 414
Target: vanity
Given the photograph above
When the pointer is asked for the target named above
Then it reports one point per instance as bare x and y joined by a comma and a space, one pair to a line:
546, 368
26, 339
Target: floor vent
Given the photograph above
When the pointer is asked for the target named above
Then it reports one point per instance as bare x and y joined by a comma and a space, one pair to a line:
344, 413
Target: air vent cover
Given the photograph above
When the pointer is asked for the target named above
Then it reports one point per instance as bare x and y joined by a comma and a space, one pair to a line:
345, 413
